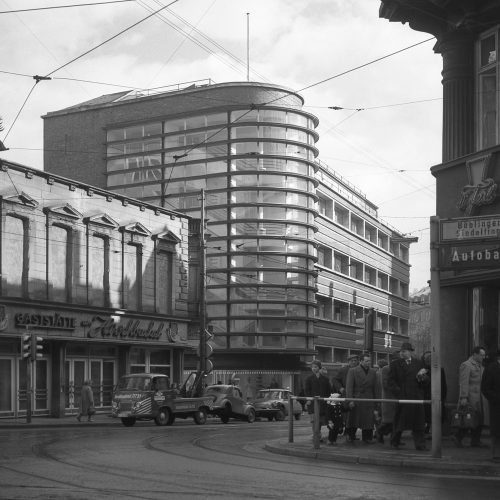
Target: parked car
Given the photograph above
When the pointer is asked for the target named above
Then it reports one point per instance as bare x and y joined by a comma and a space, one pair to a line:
273, 404
228, 403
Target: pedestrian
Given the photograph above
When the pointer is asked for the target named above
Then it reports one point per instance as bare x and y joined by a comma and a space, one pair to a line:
317, 385
406, 381
426, 360
387, 410
341, 377
361, 383
335, 418
470, 375
490, 387
86, 402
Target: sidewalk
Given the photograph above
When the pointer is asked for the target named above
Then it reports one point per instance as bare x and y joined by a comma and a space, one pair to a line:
99, 419
466, 460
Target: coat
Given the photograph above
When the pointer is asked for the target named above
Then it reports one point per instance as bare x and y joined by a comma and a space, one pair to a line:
86, 399
388, 409
317, 386
361, 384
403, 383
470, 375
490, 387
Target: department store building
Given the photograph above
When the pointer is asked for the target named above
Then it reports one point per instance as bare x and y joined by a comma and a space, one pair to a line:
251, 148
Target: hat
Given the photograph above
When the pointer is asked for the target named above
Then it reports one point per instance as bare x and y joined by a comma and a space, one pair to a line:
406, 346
316, 362
353, 356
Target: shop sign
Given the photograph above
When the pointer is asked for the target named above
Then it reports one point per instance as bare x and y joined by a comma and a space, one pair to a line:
53, 321
133, 328
472, 256
470, 228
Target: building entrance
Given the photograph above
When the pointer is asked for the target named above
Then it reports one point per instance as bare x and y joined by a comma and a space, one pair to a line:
485, 317
101, 373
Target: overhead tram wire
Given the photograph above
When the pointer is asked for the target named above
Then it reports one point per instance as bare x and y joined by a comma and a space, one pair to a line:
63, 6
38, 78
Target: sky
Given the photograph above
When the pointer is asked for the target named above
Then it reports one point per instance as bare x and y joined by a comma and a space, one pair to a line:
383, 141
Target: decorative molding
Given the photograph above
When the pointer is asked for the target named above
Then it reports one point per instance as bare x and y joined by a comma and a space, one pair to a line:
136, 228
103, 220
65, 211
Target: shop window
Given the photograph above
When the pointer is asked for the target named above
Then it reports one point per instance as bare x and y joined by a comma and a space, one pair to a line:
340, 355
324, 354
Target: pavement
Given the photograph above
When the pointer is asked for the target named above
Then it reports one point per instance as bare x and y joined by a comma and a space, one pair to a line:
465, 460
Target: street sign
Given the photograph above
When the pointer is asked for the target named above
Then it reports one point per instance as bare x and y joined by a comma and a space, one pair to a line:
469, 228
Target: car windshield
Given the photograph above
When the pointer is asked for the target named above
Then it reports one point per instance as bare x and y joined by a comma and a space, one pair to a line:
268, 395
140, 383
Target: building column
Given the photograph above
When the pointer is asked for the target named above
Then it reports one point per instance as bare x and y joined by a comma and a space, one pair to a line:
457, 50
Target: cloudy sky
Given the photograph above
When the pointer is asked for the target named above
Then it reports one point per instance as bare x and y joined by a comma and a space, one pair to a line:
384, 140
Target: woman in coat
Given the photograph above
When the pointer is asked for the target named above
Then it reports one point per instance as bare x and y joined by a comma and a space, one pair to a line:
86, 401
361, 383
490, 387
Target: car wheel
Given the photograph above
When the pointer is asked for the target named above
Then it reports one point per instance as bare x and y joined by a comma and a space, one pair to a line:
280, 416
297, 416
251, 416
200, 416
163, 417
224, 418
128, 421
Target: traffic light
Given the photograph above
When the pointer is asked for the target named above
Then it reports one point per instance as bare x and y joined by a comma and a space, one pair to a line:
26, 345
205, 351
36, 347
364, 329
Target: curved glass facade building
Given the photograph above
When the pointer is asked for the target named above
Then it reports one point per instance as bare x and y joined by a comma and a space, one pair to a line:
251, 147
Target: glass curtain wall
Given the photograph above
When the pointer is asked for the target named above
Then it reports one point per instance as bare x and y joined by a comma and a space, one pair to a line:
257, 168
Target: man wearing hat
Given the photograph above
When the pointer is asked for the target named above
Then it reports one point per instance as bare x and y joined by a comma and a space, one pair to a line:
317, 385
341, 377
406, 382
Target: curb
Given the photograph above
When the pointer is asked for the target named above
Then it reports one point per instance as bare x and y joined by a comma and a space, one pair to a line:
426, 463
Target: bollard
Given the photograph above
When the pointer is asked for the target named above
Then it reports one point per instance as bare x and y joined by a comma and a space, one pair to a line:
316, 426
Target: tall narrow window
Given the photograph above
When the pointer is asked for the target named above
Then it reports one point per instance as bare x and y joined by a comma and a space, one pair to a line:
15, 257
99, 271
132, 277
164, 280
60, 264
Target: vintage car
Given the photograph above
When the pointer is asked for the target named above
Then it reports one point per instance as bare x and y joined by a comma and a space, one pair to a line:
273, 404
228, 403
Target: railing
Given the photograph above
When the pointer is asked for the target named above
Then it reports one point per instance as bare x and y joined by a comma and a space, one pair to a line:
316, 419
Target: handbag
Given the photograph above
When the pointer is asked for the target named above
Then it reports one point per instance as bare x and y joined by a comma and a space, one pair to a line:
464, 417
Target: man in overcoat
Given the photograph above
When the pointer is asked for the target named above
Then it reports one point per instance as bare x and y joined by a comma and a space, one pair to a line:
361, 383
317, 385
387, 409
406, 382
490, 387
470, 375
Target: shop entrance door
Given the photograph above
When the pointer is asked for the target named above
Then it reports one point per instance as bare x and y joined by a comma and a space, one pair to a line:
7, 386
101, 372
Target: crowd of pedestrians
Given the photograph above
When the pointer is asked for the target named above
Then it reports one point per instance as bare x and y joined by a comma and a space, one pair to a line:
404, 377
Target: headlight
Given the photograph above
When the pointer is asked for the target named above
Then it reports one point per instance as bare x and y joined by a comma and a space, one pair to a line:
136, 405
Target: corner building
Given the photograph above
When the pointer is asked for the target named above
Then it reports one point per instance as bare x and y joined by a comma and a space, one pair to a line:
467, 204
100, 277
251, 147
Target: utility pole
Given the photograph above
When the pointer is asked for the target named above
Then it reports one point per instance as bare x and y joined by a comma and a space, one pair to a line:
203, 272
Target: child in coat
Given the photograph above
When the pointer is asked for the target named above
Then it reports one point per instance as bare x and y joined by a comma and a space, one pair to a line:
335, 418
